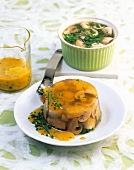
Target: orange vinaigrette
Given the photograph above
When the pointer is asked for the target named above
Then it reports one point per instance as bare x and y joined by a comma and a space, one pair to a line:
37, 115
82, 138
15, 74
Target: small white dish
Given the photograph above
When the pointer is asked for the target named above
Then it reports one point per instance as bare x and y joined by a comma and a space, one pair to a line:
110, 72
111, 104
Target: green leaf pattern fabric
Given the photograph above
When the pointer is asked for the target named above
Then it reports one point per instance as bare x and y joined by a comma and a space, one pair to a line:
43, 18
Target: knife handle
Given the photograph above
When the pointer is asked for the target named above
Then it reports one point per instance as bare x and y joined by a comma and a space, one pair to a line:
55, 59
50, 71
52, 65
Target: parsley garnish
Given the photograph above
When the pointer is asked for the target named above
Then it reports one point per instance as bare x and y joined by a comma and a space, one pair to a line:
84, 130
39, 122
88, 35
72, 37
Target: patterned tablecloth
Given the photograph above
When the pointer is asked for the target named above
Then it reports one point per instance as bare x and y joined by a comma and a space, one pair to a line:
42, 18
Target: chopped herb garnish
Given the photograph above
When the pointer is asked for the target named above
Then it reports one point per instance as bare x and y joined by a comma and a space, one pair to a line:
84, 130
39, 122
72, 37
92, 24
80, 28
87, 36
84, 96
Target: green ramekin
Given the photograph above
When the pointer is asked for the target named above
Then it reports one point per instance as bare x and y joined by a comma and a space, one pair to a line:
87, 59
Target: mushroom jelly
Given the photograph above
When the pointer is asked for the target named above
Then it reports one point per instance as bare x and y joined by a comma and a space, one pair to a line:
70, 107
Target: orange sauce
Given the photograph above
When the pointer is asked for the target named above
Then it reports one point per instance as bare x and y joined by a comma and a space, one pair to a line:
65, 92
73, 107
15, 74
82, 138
53, 133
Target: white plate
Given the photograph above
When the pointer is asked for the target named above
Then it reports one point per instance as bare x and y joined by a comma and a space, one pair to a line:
112, 107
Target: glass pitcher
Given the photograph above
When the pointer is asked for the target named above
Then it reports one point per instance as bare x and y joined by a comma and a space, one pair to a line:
15, 58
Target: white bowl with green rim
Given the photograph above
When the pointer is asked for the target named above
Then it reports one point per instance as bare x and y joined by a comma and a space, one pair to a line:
87, 59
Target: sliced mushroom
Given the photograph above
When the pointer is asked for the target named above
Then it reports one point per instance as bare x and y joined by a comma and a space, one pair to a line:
93, 32
57, 123
71, 29
64, 117
79, 43
45, 113
72, 124
107, 40
91, 91
85, 25
74, 127
96, 45
82, 37
98, 26
79, 93
107, 30
77, 130
56, 113
84, 116
89, 123
93, 108
83, 98
98, 113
